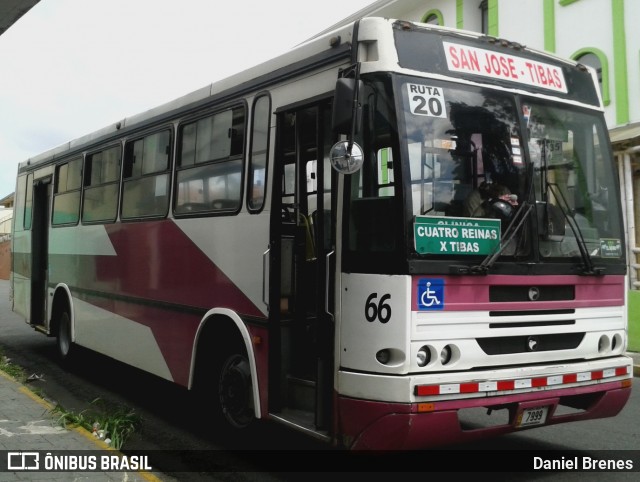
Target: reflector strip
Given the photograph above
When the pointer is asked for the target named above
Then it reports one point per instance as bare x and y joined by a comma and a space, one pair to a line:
519, 383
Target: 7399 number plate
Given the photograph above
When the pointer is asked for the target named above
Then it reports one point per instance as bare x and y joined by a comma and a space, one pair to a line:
532, 416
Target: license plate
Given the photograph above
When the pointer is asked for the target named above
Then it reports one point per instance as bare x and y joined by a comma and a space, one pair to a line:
532, 416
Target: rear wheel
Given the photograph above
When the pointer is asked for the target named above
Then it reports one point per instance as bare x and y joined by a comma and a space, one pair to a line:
63, 337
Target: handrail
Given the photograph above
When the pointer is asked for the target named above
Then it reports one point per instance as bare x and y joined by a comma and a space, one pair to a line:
265, 269
327, 279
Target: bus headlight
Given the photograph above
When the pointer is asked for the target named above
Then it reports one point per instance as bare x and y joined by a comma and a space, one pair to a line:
391, 357
615, 341
383, 356
423, 357
603, 344
445, 355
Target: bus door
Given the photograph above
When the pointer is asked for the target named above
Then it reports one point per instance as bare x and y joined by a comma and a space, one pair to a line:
301, 327
40, 251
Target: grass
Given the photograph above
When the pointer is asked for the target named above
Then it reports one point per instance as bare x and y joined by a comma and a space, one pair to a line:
15, 371
115, 423
112, 423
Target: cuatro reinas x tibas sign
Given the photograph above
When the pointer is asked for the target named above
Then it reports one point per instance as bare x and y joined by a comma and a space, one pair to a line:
438, 235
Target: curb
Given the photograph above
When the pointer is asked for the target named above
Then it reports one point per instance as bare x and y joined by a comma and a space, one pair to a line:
80, 430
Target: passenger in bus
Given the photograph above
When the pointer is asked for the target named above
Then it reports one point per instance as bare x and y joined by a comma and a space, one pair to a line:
490, 200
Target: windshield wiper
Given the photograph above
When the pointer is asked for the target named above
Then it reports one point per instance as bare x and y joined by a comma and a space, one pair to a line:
514, 227
563, 205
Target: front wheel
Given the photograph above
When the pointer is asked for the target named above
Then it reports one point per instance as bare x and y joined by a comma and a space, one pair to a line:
63, 337
235, 393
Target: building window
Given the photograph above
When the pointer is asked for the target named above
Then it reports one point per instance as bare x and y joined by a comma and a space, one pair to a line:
433, 17
592, 60
484, 17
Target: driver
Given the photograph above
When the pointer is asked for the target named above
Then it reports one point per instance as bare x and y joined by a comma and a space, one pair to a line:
490, 200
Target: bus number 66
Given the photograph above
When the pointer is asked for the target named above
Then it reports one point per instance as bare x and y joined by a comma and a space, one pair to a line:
381, 310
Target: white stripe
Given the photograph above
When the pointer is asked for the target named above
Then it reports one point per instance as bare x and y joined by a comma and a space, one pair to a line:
453, 388
609, 372
555, 380
584, 376
523, 383
487, 386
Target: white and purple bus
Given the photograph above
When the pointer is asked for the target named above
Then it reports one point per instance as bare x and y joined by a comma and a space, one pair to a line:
394, 236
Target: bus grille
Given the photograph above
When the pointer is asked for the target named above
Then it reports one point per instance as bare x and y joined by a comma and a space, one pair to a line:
502, 293
504, 345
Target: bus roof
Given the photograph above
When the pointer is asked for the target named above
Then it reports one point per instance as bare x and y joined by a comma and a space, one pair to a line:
313, 53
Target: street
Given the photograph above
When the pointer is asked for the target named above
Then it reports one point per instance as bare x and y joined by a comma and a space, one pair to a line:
172, 427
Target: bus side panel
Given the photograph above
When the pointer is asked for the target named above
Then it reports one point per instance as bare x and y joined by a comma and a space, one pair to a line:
141, 289
147, 337
21, 273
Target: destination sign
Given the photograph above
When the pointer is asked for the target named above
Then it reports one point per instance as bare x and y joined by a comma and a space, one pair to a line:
469, 236
498, 65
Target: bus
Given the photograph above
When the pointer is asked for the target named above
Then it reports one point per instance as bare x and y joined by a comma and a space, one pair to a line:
394, 236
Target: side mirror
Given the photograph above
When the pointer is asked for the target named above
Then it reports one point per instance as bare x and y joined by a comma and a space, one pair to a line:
345, 106
346, 158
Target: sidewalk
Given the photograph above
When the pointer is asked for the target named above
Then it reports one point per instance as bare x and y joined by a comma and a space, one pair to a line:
27, 425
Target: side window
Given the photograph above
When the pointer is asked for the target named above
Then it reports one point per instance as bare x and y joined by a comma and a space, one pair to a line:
259, 153
209, 171
20, 203
145, 191
66, 199
101, 176
28, 203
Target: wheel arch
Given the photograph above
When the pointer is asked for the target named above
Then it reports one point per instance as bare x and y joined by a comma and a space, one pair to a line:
62, 300
229, 324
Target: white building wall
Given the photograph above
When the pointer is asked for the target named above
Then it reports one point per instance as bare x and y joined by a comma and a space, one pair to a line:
472, 19
588, 24
632, 29
522, 22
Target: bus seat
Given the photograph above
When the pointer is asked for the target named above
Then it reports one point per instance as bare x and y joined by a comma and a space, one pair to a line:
309, 242
224, 204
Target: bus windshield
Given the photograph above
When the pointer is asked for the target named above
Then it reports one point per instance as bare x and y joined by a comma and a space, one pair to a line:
476, 155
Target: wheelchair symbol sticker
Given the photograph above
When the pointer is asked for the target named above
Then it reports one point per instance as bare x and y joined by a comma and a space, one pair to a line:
430, 294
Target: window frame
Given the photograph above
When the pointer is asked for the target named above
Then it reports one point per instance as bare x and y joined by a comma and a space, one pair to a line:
135, 178
57, 192
251, 154
88, 172
238, 157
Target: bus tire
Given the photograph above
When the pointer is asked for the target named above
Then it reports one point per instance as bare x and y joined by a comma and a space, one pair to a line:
63, 337
235, 392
